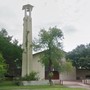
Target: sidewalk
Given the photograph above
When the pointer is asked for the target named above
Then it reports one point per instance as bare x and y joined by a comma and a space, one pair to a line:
76, 84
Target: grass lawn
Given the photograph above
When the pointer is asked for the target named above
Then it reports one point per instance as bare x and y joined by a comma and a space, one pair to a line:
11, 86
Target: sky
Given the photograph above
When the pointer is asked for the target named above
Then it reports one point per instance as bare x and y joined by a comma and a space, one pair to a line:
71, 16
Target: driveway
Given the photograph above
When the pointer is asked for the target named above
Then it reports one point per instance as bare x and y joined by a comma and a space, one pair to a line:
76, 84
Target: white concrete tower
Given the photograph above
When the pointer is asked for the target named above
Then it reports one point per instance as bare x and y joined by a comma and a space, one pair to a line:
27, 41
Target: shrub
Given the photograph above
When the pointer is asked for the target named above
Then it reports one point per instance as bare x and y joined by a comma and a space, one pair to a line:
32, 76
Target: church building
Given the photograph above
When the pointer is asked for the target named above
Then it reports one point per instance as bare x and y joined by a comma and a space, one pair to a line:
30, 61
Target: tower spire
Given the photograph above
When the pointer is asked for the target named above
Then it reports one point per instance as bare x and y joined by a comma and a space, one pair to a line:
28, 8
27, 40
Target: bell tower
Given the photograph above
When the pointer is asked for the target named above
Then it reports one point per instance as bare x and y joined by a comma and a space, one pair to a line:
27, 40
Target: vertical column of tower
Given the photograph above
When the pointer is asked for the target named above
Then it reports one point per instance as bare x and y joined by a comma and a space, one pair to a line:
24, 57
29, 46
27, 41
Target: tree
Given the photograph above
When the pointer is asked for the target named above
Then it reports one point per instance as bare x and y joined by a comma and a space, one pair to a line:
80, 56
15, 42
3, 32
3, 66
51, 42
11, 52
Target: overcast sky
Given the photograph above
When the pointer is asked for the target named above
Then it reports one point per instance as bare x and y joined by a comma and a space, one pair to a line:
71, 16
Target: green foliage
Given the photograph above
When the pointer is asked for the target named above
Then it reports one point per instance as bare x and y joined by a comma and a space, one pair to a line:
80, 56
50, 74
11, 52
51, 42
32, 76
67, 66
3, 67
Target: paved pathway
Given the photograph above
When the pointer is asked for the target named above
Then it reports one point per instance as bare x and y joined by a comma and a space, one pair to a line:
75, 84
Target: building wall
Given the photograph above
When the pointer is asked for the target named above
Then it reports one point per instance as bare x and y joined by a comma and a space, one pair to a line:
72, 75
38, 67
82, 74
68, 75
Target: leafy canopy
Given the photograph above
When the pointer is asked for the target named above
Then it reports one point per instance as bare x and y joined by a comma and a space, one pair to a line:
51, 42
80, 56
11, 52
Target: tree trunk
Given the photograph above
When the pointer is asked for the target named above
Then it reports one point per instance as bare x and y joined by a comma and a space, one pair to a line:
50, 72
50, 81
